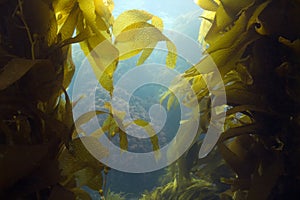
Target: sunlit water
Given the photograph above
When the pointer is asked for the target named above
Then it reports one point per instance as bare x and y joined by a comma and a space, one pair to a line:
181, 16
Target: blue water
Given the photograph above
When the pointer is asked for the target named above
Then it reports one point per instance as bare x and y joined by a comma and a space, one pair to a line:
179, 15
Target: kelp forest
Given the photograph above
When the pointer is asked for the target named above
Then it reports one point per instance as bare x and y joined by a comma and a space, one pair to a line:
255, 48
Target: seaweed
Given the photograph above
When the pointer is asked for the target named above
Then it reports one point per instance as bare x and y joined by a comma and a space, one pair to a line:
255, 46
42, 156
251, 46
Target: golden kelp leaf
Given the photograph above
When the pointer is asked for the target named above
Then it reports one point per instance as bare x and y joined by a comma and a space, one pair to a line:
222, 18
110, 4
256, 13
14, 70
205, 118
69, 69
104, 9
101, 54
83, 152
141, 122
113, 130
179, 86
78, 148
131, 20
152, 134
157, 22
116, 122
245, 120
155, 144
106, 50
128, 18
228, 38
145, 54
146, 126
164, 96
233, 7
106, 79
123, 140
108, 122
89, 177
198, 83
68, 27
172, 55
155, 147
133, 41
88, 9
84, 176
136, 26
231, 78
225, 59
84, 118
206, 23
171, 100
209, 5
187, 126
140, 35
96, 182
69, 164
62, 9
80, 37
97, 133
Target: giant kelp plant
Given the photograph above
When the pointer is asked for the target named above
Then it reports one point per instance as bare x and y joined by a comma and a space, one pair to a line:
255, 46
41, 156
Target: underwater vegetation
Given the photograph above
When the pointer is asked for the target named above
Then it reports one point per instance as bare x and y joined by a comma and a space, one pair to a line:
41, 154
194, 189
255, 46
